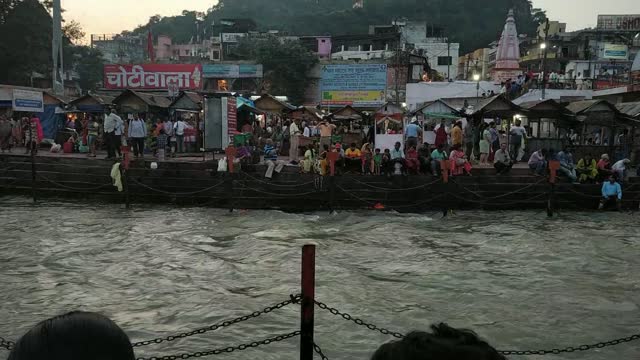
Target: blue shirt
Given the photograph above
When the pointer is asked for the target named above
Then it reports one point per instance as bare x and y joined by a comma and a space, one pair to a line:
609, 189
412, 130
137, 129
270, 153
397, 154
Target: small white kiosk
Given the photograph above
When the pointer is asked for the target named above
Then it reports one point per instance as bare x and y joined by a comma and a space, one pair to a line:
389, 126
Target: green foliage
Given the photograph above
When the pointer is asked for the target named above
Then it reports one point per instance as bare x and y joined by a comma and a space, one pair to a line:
182, 28
286, 65
25, 43
89, 65
473, 23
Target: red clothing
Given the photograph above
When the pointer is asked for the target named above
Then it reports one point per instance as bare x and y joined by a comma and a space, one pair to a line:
458, 163
603, 165
441, 136
411, 161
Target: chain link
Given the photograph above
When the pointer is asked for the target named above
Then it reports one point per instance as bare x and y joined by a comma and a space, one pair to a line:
6, 344
318, 350
226, 350
292, 300
571, 349
358, 321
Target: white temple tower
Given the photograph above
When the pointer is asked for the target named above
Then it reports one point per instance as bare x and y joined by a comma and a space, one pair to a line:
508, 54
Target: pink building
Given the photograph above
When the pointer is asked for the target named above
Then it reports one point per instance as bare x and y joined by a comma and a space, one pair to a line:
324, 47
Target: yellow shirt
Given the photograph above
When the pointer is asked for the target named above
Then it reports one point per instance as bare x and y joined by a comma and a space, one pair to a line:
456, 136
352, 153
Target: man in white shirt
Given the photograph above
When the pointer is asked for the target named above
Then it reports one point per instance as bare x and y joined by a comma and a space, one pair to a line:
294, 139
518, 132
179, 134
111, 123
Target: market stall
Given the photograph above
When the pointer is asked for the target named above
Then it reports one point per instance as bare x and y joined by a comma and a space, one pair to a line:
389, 126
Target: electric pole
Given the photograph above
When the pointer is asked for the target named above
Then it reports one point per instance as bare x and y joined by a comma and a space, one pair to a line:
544, 61
57, 75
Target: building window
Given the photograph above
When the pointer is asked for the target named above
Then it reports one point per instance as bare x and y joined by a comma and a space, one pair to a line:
186, 52
444, 60
215, 55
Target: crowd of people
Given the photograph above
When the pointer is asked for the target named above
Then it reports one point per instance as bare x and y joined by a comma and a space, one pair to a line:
26, 132
86, 335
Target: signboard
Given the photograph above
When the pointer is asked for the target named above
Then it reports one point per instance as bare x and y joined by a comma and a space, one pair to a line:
619, 22
232, 37
232, 116
232, 71
153, 76
357, 85
615, 51
28, 101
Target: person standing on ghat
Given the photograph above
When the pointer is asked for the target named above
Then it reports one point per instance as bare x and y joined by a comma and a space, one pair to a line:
111, 121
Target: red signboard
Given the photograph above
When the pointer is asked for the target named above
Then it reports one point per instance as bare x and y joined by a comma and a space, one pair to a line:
153, 76
232, 115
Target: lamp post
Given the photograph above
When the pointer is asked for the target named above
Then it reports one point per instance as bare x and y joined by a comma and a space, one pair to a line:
476, 78
543, 47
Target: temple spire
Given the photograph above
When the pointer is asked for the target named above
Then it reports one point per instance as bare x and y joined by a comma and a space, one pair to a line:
508, 53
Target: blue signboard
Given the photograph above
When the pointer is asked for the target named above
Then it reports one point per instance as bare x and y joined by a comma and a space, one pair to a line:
28, 101
231, 71
358, 85
364, 77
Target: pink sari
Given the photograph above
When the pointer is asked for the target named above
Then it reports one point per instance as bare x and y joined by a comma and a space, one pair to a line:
458, 163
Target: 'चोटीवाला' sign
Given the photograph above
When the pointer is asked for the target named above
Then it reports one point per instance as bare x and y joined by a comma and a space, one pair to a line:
153, 76
362, 84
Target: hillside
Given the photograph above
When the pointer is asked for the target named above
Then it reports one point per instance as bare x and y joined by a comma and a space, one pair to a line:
473, 23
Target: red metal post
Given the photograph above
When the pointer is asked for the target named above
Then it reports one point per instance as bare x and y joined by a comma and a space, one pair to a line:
307, 301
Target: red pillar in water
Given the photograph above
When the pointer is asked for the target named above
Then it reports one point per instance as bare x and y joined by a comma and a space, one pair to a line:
307, 301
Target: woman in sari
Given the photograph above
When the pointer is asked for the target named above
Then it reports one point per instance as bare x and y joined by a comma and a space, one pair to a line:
459, 163
412, 160
366, 155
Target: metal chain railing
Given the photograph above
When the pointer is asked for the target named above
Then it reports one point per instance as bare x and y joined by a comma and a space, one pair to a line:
6, 344
292, 300
568, 349
318, 351
358, 321
571, 349
225, 350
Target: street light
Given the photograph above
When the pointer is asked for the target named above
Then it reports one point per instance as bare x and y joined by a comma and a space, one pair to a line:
543, 46
476, 78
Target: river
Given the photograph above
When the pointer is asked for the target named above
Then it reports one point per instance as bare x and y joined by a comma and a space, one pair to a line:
520, 280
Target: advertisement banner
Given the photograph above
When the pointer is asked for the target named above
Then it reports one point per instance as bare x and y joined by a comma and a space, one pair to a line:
616, 52
619, 22
232, 116
358, 85
232, 71
232, 37
29, 101
153, 76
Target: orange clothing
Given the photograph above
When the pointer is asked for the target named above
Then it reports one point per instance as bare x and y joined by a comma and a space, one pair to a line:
456, 136
353, 154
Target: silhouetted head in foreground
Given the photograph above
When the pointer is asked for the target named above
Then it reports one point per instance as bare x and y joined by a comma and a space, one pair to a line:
74, 336
444, 343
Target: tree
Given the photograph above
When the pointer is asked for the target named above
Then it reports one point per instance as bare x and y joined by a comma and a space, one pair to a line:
89, 65
72, 30
25, 49
286, 65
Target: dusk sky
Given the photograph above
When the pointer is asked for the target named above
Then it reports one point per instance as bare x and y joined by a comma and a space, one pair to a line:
109, 17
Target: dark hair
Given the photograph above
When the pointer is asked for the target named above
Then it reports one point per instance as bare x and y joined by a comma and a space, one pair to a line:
377, 150
353, 144
445, 343
440, 146
74, 336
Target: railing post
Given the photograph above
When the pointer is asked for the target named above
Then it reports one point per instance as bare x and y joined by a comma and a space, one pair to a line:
34, 189
308, 301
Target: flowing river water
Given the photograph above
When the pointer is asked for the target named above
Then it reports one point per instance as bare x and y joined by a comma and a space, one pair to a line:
520, 280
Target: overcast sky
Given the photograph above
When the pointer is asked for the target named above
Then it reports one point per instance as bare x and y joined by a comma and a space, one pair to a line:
113, 16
